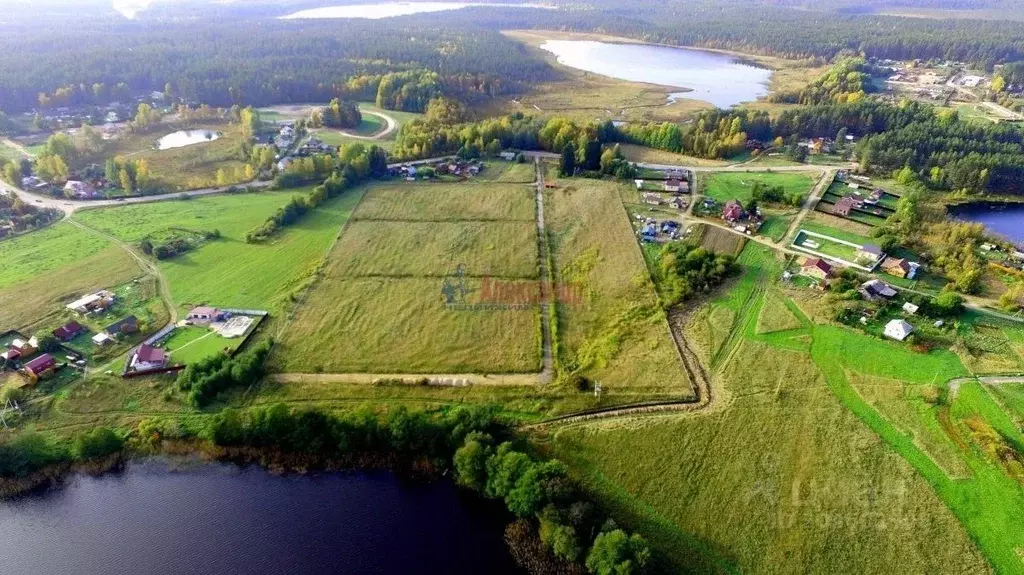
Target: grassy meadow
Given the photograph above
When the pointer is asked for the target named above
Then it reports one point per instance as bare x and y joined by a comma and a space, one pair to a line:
844, 436
497, 249
385, 277
228, 271
617, 334
47, 268
423, 201
725, 186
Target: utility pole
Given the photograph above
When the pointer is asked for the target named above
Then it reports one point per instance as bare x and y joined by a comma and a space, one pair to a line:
597, 389
9, 407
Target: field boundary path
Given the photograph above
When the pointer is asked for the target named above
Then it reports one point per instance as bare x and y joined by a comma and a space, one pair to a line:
547, 371
809, 205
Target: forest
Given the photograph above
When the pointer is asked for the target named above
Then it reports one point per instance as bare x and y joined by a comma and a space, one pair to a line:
239, 54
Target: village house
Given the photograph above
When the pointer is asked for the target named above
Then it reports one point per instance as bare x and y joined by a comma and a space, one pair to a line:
869, 252
507, 156
24, 348
676, 186
204, 314
652, 198
678, 203
40, 367
68, 331
101, 339
79, 189
898, 329
649, 233
125, 326
733, 211
148, 357
845, 205
910, 308
900, 268
816, 268
100, 300
874, 197
875, 290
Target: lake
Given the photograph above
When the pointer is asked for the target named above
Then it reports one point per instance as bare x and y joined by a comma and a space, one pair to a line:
392, 9
159, 517
717, 78
184, 138
1006, 220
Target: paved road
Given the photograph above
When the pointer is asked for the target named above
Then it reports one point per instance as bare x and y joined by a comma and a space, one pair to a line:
71, 206
392, 125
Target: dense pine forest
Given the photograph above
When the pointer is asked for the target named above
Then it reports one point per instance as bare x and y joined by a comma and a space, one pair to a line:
223, 54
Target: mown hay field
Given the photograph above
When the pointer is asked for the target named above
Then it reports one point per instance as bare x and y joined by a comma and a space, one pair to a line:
497, 249
617, 333
401, 325
378, 306
720, 241
423, 201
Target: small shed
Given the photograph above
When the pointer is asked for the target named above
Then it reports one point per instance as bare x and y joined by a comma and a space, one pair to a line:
898, 329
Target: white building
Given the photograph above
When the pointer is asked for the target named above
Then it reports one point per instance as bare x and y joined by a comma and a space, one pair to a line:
898, 329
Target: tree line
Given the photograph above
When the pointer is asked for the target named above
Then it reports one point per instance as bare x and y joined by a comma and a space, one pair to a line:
353, 164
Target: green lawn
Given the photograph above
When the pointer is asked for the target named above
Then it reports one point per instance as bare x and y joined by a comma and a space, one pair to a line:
775, 226
725, 186
835, 233
190, 344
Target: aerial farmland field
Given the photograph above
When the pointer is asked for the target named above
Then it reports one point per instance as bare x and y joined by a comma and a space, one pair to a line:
617, 332
385, 277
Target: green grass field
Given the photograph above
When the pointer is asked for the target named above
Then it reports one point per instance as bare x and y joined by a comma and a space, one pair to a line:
725, 186
618, 334
423, 201
45, 269
498, 249
229, 271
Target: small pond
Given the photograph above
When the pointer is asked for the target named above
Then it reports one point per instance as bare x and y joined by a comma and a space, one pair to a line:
160, 516
720, 79
1006, 220
392, 9
183, 138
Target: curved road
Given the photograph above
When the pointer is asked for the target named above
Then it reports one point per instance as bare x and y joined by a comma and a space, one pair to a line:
392, 125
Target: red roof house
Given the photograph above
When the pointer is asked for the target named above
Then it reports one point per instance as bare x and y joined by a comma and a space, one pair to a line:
68, 331
733, 211
149, 357
40, 366
817, 268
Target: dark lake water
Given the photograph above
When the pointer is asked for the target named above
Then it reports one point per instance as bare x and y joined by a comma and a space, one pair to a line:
216, 518
1006, 220
716, 78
